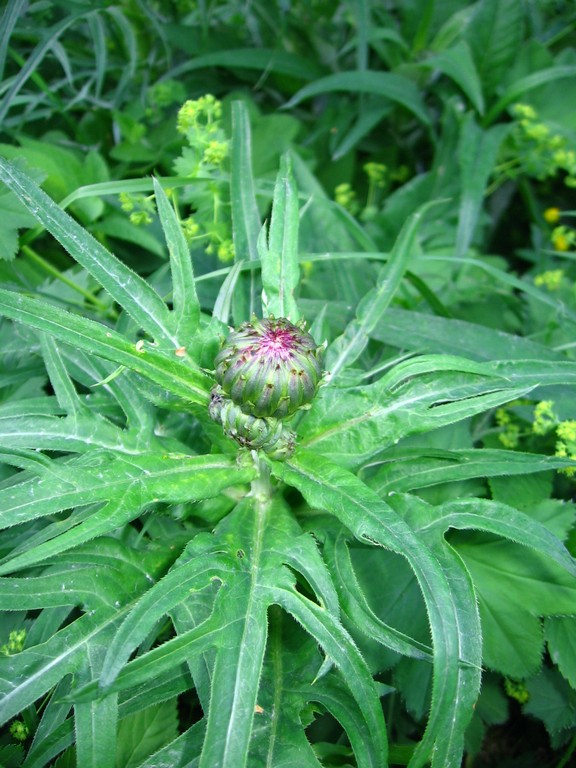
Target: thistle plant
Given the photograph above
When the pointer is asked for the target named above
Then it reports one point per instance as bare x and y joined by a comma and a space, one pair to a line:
198, 535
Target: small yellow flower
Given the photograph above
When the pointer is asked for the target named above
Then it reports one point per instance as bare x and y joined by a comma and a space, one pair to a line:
216, 152
551, 279
552, 215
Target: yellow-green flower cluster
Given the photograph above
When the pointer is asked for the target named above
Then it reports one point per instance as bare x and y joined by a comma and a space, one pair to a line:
510, 435
566, 444
345, 196
542, 153
200, 121
516, 690
140, 208
376, 173
19, 730
545, 419
202, 115
551, 279
15, 642
225, 251
563, 238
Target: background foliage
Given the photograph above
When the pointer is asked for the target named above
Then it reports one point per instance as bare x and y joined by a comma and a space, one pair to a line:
400, 591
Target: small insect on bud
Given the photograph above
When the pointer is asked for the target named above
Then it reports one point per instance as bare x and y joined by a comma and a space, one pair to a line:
269, 367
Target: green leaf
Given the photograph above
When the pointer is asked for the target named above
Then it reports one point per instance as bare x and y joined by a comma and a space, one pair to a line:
95, 338
127, 484
526, 84
494, 34
552, 701
131, 291
560, 634
405, 470
144, 733
514, 586
198, 566
477, 152
426, 334
246, 222
415, 396
397, 88
279, 256
458, 64
95, 721
185, 301
326, 486
346, 349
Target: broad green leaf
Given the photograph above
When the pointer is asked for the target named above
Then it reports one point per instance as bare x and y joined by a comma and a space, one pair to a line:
279, 255
560, 634
458, 64
356, 606
144, 733
552, 701
95, 338
186, 306
130, 290
515, 585
494, 34
397, 88
526, 84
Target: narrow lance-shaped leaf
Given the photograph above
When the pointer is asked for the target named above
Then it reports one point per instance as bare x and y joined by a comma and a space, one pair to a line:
349, 346
477, 153
131, 291
184, 298
329, 487
245, 216
92, 337
391, 86
279, 257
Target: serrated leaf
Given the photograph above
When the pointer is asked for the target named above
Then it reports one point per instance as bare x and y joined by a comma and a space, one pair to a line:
329, 487
131, 291
185, 301
95, 338
560, 632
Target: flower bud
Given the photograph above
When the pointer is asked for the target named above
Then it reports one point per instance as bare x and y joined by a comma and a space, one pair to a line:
269, 367
252, 432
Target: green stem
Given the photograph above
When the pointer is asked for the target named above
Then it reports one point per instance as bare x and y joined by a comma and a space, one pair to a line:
262, 485
53, 272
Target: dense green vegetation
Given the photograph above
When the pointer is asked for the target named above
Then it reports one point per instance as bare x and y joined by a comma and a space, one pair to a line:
384, 578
